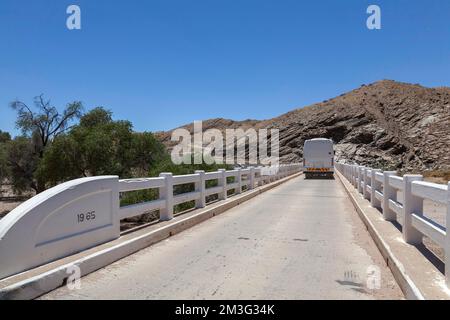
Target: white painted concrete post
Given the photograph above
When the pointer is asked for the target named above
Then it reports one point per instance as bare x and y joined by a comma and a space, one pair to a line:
200, 187
388, 193
259, 181
223, 184
357, 178
350, 173
252, 178
166, 193
360, 179
366, 183
239, 181
354, 176
376, 185
447, 240
411, 204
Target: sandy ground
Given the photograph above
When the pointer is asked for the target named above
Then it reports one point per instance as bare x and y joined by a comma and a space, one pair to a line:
7, 206
436, 212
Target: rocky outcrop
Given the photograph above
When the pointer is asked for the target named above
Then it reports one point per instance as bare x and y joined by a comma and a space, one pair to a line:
386, 124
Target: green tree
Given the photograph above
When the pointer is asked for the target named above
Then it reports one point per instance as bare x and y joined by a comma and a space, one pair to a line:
41, 124
4, 136
100, 146
147, 153
4, 168
46, 122
22, 161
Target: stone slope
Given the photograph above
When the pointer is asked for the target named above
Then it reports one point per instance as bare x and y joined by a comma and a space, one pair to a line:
386, 124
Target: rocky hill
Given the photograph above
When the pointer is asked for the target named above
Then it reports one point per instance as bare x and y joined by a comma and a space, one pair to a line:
386, 124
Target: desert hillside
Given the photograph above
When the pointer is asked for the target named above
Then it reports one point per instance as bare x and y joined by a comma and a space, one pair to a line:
386, 124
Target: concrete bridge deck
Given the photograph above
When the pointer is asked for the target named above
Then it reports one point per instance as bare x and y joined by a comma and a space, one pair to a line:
300, 240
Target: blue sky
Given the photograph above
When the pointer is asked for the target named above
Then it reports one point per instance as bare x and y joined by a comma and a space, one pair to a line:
165, 63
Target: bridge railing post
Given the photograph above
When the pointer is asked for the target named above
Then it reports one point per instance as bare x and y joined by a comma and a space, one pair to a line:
447, 240
350, 174
239, 181
376, 186
259, 181
366, 183
388, 193
166, 193
360, 179
252, 178
352, 181
223, 183
200, 186
411, 204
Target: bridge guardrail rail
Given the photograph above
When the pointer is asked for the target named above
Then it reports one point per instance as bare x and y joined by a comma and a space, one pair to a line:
381, 189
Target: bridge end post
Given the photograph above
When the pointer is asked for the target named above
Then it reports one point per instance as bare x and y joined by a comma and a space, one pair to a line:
388, 193
166, 193
411, 204
61, 221
200, 187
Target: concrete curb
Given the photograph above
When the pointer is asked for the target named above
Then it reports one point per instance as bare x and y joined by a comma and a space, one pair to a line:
403, 279
32, 284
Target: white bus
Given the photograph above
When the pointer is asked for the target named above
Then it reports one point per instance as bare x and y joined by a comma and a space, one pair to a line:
318, 158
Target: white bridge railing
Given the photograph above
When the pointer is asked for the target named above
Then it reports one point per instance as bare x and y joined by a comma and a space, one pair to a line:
83, 213
381, 189
248, 178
